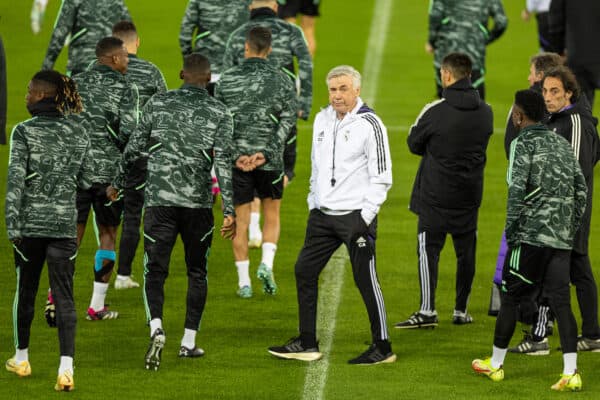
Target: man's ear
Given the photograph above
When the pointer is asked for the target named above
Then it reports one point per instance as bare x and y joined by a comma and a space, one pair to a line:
181, 74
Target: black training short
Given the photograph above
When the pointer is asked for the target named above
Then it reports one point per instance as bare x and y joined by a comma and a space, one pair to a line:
108, 213
524, 268
291, 8
259, 183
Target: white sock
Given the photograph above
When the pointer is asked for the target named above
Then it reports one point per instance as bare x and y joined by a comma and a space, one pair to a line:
428, 313
254, 227
189, 338
243, 274
22, 355
122, 277
570, 363
98, 296
155, 324
268, 254
498, 356
66, 364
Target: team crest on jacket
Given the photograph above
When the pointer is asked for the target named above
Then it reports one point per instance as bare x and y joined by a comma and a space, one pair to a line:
320, 136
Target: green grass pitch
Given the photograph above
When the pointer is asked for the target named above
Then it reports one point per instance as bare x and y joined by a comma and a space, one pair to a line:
432, 364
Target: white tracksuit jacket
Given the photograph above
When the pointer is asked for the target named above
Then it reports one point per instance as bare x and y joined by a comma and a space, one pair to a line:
351, 163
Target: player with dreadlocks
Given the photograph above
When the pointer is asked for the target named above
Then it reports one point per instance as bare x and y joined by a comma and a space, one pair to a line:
48, 161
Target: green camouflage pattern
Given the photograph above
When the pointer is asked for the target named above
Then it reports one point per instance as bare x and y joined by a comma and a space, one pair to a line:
49, 159
184, 133
546, 190
146, 77
462, 26
206, 26
288, 42
110, 105
87, 21
263, 102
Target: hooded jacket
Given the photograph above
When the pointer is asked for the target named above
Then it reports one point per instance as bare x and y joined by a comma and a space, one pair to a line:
451, 135
578, 126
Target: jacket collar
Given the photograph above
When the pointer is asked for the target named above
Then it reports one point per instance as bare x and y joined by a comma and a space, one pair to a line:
262, 13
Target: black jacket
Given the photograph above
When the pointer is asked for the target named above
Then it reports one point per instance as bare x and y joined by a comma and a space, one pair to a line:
578, 126
575, 26
451, 135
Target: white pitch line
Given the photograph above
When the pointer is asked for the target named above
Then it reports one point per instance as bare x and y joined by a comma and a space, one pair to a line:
333, 276
330, 293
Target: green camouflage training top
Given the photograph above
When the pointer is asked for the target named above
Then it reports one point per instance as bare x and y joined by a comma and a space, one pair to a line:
184, 132
147, 78
49, 159
263, 102
546, 190
110, 104
462, 26
211, 21
288, 42
87, 21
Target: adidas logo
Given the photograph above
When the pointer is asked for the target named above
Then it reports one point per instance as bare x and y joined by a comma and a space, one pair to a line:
361, 242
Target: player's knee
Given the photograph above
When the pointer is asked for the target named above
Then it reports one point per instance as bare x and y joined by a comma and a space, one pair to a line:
103, 264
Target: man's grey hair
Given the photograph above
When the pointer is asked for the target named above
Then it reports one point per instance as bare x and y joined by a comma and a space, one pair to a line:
345, 70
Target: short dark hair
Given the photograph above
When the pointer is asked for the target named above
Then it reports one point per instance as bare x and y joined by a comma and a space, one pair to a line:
107, 45
459, 65
567, 77
196, 63
532, 104
124, 30
67, 97
543, 62
259, 39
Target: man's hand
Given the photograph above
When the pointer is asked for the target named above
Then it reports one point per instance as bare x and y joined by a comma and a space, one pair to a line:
112, 193
243, 163
228, 228
258, 159
16, 241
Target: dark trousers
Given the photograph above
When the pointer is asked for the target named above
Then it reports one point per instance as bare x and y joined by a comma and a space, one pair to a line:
161, 227
30, 255
289, 153
429, 246
133, 204
2, 93
588, 77
582, 278
545, 270
324, 234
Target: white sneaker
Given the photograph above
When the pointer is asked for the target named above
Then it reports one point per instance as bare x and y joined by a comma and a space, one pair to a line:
125, 283
255, 240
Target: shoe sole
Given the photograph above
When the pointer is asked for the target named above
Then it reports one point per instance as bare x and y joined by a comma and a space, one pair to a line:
153, 355
425, 326
486, 372
64, 388
313, 356
388, 360
17, 372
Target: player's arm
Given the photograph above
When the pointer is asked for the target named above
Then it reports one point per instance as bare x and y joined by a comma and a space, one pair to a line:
17, 175
379, 165
421, 131
188, 26
436, 18
286, 118
305, 70
129, 113
232, 49
314, 171
86, 174
500, 21
580, 195
62, 27
519, 167
223, 161
136, 146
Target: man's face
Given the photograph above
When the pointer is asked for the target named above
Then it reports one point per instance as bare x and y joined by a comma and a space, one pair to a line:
534, 76
555, 96
121, 60
343, 96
